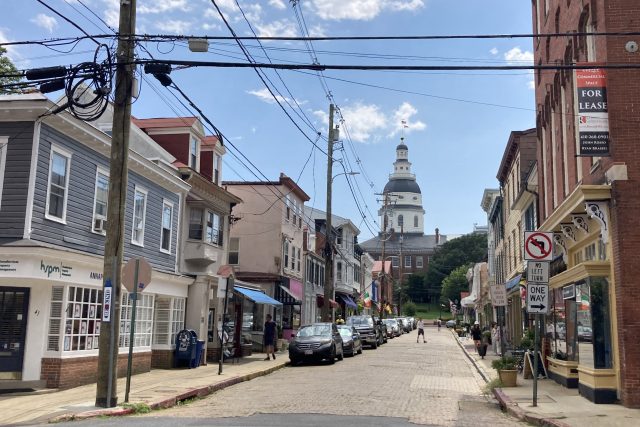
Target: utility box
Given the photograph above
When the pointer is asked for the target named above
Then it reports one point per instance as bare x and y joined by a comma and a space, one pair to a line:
186, 348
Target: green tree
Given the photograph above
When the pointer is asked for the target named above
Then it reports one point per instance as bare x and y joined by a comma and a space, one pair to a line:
470, 248
415, 288
455, 283
409, 309
7, 69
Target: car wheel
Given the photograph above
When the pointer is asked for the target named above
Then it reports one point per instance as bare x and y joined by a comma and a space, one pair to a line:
332, 358
374, 345
341, 356
360, 349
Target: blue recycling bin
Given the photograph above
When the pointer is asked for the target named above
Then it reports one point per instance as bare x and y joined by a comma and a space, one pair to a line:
186, 348
198, 357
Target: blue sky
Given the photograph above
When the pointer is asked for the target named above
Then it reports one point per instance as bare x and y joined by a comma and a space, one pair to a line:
455, 139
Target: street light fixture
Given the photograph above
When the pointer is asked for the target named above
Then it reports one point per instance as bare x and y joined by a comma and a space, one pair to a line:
344, 173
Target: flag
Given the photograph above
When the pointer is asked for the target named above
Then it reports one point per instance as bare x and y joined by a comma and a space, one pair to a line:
404, 124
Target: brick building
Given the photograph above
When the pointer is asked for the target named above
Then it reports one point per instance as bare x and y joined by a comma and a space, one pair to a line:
591, 202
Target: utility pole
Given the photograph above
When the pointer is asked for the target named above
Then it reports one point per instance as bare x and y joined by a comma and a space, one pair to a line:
328, 244
401, 270
107, 393
384, 240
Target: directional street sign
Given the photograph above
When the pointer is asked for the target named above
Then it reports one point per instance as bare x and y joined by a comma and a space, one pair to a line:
537, 298
538, 271
538, 246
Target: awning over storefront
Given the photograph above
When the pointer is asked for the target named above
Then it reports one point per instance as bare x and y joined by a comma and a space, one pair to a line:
320, 301
348, 301
257, 296
287, 297
513, 282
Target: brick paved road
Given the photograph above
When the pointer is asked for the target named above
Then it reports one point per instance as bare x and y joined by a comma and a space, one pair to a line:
429, 383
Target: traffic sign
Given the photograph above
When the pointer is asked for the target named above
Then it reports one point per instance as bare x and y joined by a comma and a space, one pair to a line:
537, 298
129, 271
538, 246
498, 295
538, 271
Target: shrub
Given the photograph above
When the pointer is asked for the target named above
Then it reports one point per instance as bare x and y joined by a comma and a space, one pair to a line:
504, 364
409, 308
494, 383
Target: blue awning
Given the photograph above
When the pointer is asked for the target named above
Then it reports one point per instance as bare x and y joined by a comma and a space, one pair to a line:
513, 282
348, 301
257, 296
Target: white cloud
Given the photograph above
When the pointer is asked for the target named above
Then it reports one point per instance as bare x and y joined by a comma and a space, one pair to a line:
12, 53
494, 51
174, 26
265, 95
209, 27
47, 22
282, 28
317, 31
160, 6
404, 113
278, 4
360, 10
518, 55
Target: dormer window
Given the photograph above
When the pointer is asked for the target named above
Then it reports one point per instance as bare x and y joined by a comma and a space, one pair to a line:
193, 154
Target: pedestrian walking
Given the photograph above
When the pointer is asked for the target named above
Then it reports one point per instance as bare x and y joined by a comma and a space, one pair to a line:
476, 334
269, 337
420, 331
495, 338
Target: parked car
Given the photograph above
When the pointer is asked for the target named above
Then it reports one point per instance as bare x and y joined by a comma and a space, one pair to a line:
405, 324
351, 342
584, 333
316, 342
370, 331
451, 323
393, 328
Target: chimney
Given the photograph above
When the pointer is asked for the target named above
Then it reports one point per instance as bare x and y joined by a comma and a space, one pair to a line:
437, 236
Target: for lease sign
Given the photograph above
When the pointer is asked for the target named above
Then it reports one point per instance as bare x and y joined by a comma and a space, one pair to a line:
593, 113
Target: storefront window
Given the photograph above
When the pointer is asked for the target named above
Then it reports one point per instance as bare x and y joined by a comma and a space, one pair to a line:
550, 332
169, 319
600, 323
83, 314
144, 320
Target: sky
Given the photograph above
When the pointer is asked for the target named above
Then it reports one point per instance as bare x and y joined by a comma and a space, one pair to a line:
455, 123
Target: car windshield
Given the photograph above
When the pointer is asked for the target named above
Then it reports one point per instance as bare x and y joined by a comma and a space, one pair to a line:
360, 321
315, 330
345, 332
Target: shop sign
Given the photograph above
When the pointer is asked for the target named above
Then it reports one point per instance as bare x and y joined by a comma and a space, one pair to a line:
498, 295
569, 292
593, 115
8, 265
57, 270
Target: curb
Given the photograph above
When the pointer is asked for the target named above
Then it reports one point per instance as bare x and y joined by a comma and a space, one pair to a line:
167, 402
511, 407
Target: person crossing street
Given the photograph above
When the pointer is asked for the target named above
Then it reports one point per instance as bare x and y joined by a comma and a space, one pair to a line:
420, 331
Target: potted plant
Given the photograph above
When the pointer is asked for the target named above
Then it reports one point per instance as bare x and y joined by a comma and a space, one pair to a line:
507, 371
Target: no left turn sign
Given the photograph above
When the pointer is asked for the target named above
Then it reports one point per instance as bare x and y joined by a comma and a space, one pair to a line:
538, 246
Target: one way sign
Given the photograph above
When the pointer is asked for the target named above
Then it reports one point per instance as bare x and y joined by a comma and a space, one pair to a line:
537, 298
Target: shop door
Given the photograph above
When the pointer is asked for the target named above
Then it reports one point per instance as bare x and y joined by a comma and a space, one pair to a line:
14, 306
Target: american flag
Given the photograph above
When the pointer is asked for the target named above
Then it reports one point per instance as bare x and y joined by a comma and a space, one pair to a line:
404, 124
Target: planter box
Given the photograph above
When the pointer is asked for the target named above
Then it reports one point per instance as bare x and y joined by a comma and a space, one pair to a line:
564, 372
509, 378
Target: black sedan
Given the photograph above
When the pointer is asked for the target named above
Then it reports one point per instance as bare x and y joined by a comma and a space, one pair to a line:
351, 343
316, 342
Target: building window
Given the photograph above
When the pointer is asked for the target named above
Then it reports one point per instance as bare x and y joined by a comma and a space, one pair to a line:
286, 253
169, 319
100, 204
299, 260
339, 237
293, 257
339, 272
82, 318
214, 229
407, 260
193, 154
195, 223
4, 145
602, 250
144, 320
167, 220
216, 168
590, 252
419, 262
356, 275
287, 205
395, 261
234, 250
415, 221
139, 213
58, 187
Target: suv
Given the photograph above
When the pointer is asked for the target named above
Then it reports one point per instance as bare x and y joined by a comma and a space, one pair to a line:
370, 330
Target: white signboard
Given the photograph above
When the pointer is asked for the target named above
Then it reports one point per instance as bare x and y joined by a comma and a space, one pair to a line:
106, 302
537, 298
538, 271
498, 295
538, 246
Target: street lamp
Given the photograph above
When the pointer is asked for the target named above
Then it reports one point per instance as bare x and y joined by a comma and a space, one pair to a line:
344, 173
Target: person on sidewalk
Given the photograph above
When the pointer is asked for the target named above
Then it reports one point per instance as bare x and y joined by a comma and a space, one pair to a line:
439, 324
476, 335
270, 337
495, 337
420, 331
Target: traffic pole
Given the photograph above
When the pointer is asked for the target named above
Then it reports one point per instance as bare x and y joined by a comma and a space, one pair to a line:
132, 333
535, 359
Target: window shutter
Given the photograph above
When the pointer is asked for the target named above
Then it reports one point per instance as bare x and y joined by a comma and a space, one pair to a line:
55, 318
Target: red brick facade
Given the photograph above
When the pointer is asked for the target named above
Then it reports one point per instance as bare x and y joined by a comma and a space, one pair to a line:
69, 373
623, 93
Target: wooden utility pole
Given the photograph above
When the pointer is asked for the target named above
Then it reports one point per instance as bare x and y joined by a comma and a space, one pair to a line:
384, 240
328, 244
107, 393
400, 270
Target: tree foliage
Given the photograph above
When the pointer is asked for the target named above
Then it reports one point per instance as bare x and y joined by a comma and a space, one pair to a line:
414, 288
455, 283
464, 250
6, 70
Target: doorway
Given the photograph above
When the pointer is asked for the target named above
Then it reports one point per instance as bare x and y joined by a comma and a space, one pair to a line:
14, 307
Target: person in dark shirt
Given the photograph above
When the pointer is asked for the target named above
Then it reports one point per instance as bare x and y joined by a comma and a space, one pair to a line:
269, 337
476, 334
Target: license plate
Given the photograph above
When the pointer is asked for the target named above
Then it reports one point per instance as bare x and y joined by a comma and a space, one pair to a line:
308, 352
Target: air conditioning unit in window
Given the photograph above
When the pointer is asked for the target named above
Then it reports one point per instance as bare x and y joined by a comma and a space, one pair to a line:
100, 225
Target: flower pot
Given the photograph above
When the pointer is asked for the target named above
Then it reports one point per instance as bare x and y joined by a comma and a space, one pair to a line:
508, 377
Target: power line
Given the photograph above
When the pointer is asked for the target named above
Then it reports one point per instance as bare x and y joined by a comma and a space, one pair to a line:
69, 21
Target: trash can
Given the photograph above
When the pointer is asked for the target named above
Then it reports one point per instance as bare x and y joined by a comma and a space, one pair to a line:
186, 345
198, 357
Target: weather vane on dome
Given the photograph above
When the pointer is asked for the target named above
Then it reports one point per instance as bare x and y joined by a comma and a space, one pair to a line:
404, 126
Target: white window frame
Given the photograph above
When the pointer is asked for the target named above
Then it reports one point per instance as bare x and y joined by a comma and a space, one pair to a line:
215, 232
140, 190
299, 258
142, 337
166, 203
407, 261
419, 262
202, 226
67, 154
100, 171
216, 168
285, 251
395, 262
174, 322
4, 146
234, 249
196, 166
